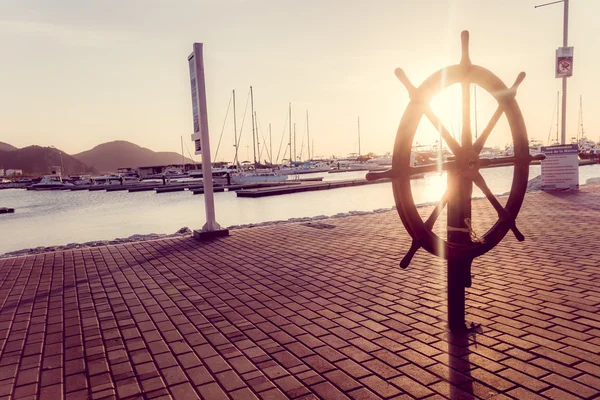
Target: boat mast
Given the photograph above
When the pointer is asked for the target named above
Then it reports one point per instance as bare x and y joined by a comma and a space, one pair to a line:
258, 150
581, 116
235, 143
359, 136
294, 142
308, 136
253, 133
182, 157
290, 131
270, 145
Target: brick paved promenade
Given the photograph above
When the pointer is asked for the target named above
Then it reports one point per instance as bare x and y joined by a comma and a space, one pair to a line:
305, 312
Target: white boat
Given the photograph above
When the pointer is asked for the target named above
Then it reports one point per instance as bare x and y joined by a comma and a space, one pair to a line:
50, 182
305, 168
257, 176
110, 179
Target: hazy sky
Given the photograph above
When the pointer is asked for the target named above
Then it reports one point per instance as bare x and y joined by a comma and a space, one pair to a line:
78, 73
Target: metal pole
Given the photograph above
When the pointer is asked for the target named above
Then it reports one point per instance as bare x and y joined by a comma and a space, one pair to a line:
209, 199
253, 138
235, 143
459, 213
563, 128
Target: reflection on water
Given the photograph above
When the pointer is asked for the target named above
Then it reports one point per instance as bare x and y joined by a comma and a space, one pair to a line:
55, 218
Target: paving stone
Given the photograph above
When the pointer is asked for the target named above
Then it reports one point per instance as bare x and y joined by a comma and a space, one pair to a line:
283, 311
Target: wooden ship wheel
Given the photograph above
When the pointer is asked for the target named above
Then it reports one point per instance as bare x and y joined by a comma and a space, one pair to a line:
463, 170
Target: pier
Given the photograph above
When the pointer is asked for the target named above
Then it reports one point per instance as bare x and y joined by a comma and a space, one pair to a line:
310, 310
304, 187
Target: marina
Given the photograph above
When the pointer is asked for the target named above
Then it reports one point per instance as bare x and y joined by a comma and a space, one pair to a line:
50, 218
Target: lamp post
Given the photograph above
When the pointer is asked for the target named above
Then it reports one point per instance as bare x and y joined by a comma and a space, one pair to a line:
563, 127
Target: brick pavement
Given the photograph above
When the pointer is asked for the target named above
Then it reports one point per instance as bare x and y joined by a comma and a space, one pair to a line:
292, 311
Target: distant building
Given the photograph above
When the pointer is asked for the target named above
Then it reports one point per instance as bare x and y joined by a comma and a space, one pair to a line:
14, 172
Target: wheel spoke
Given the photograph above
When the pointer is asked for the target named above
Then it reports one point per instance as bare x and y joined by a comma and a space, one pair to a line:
437, 210
466, 139
452, 143
502, 214
480, 142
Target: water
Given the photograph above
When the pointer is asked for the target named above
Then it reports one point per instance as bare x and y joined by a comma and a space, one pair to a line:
49, 218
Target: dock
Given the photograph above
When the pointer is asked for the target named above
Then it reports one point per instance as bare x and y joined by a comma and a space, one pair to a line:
304, 187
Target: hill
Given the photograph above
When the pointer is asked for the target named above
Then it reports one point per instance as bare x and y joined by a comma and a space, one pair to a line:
40, 160
6, 147
108, 157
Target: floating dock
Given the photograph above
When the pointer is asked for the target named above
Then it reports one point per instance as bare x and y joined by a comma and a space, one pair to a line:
304, 187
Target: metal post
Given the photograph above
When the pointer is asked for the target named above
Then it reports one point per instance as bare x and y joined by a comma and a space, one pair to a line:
459, 212
209, 199
563, 128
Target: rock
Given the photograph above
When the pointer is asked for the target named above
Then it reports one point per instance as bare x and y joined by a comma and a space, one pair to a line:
535, 184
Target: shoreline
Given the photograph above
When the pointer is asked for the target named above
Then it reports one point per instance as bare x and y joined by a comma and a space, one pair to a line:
534, 185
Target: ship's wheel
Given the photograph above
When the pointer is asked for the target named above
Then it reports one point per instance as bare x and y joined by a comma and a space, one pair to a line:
466, 163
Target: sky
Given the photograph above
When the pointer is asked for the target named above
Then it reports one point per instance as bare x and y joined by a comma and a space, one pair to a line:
75, 73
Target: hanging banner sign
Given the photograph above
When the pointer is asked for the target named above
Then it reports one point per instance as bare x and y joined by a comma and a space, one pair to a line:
560, 169
196, 65
564, 62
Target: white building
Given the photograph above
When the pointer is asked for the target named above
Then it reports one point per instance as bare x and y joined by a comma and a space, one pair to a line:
14, 172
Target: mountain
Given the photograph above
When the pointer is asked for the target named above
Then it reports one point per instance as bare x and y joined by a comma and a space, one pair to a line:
6, 147
39, 160
108, 157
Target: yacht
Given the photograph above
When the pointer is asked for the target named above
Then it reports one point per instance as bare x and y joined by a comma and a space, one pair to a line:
50, 182
258, 176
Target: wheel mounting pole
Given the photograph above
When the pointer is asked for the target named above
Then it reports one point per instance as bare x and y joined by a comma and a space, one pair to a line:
459, 211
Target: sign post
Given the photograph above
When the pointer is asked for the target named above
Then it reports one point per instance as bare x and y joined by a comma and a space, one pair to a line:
200, 137
560, 169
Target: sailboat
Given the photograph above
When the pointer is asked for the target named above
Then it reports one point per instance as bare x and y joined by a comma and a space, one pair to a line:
254, 174
587, 148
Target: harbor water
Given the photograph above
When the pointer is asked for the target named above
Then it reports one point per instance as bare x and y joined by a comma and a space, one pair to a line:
52, 218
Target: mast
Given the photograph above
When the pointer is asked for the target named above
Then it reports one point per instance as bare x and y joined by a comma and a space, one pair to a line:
294, 142
258, 150
359, 136
290, 131
235, 143
581, 116
308, 135
270, 145
253, 133
182, 157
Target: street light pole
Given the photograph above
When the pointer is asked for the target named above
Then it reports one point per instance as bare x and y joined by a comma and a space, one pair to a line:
563, 127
